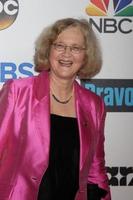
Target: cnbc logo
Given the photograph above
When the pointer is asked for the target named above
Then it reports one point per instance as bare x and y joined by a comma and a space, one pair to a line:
111, 16
8, 13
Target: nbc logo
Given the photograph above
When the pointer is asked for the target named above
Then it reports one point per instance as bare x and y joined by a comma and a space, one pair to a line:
111, 8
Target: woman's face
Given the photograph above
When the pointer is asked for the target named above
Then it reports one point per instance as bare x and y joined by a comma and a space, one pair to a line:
67, 53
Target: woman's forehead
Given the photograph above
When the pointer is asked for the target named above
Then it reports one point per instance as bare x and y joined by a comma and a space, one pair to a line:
71, 34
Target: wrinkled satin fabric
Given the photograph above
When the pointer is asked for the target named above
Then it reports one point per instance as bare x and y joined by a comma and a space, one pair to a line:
25, 138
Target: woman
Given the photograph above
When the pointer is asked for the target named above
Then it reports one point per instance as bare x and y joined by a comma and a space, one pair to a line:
51, 129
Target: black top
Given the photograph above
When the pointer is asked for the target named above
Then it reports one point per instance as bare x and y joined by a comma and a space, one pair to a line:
61, 180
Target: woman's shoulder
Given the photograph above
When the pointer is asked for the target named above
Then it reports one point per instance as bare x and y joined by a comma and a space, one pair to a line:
25, 81
87, 93
20, 82
89, 99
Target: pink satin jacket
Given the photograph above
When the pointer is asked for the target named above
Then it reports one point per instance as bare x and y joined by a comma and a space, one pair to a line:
25, 138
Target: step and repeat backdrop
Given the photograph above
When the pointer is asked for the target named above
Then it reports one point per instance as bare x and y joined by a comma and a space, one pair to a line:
21, 22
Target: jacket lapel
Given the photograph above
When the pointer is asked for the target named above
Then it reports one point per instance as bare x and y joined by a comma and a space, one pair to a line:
42, 117
86, 125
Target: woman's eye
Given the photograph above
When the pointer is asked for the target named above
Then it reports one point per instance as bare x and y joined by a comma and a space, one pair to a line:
75, 48
60, 46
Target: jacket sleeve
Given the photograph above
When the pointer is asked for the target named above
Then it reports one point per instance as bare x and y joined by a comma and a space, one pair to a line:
94, 192
97, 174
7, 96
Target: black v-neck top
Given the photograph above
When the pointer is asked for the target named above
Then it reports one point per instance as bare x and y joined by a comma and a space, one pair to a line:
61, 180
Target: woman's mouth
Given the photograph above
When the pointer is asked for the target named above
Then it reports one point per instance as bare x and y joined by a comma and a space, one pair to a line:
65, 63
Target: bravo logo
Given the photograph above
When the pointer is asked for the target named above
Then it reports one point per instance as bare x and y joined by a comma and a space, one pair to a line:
8, 13
116, 93
122, 9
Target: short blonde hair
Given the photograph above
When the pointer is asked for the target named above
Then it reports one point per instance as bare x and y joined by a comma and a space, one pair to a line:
93, 58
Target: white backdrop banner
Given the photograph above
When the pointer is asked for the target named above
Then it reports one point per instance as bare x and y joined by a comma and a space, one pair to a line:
21, 22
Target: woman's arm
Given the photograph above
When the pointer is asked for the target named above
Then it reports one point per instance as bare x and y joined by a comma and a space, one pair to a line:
97, 177
7, 99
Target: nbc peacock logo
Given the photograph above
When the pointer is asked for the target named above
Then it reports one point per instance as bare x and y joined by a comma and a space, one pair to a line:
107, 10
101, 7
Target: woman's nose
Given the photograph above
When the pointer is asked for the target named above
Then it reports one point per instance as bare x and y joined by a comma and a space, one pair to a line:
68, 50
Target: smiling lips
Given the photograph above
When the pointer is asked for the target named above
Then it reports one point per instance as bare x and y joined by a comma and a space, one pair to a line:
65, 63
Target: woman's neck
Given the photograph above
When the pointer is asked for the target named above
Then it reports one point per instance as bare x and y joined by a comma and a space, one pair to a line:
60, 87
62, 97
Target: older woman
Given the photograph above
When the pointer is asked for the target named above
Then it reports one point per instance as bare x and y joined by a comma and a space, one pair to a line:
51, 128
